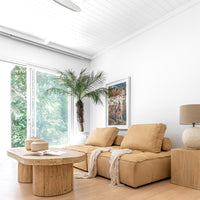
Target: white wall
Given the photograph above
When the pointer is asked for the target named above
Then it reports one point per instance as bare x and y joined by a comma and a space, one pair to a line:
15, 50
164, 65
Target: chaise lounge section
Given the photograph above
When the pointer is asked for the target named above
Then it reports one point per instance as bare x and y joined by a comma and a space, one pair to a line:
148, 162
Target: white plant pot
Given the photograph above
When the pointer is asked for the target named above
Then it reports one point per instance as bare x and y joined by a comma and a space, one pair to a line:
79, 138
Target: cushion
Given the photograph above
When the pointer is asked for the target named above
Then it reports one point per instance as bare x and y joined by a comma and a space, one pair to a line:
144, 137
167, 144
103, 137
81, 148
118, 140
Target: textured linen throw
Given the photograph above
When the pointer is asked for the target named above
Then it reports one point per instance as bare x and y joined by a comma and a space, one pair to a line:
92, 168
114, 164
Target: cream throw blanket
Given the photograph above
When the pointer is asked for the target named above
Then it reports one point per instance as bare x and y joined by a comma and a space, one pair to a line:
92, 167
114, 164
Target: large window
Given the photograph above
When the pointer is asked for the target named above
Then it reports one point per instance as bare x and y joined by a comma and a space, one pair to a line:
35, 113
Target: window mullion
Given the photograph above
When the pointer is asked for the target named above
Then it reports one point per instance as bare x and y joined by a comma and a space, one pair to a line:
31, 102
29, 105
35, 97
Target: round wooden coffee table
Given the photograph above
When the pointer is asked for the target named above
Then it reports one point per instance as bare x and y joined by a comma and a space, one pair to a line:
50, 175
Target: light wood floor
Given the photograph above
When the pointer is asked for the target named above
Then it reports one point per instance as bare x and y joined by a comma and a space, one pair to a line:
91, 189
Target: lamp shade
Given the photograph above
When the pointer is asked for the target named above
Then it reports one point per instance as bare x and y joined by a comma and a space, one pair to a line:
190, 114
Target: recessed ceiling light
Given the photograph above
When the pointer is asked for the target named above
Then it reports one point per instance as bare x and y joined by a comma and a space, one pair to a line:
68, 4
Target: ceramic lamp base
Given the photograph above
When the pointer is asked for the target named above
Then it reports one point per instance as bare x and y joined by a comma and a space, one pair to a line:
191, 137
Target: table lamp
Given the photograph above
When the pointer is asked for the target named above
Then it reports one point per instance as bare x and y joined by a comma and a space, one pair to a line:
190, 114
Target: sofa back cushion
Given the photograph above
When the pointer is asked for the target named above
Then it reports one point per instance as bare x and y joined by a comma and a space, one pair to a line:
118, 140
144, 137
166, 143
103, 137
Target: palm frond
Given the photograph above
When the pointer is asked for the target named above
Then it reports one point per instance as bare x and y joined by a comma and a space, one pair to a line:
81, 83
96, 95
68, 80
81, 86
95, 80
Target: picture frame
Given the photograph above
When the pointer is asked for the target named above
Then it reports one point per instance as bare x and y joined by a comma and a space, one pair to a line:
118, 104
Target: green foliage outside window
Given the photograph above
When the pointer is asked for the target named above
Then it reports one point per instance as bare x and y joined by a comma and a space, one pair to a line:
18, 106
52, 111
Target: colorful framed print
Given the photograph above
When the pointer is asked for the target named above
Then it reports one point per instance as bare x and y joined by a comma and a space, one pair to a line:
118, 104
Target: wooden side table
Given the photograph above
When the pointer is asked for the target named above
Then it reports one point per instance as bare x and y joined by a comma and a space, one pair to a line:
185, 167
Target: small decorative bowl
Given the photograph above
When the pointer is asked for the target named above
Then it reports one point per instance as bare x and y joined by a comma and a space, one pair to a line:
29, 141
39, 145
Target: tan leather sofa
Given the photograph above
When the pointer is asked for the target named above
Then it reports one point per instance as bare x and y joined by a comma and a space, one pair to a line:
135, 169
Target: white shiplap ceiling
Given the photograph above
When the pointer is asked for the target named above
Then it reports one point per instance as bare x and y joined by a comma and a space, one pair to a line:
100, 24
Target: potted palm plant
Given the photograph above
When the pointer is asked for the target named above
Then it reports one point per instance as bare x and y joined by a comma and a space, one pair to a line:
85, 85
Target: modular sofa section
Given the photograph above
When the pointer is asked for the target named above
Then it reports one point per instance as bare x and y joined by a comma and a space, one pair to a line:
138, 168
84, 149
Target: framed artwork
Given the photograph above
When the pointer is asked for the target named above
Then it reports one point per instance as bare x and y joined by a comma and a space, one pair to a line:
118, 104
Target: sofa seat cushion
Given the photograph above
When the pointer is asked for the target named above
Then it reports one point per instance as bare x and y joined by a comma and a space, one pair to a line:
138, 156
144, 137
138, 168
81, 148
103, 137
84, 149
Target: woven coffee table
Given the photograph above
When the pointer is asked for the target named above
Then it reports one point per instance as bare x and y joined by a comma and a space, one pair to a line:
50, 175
